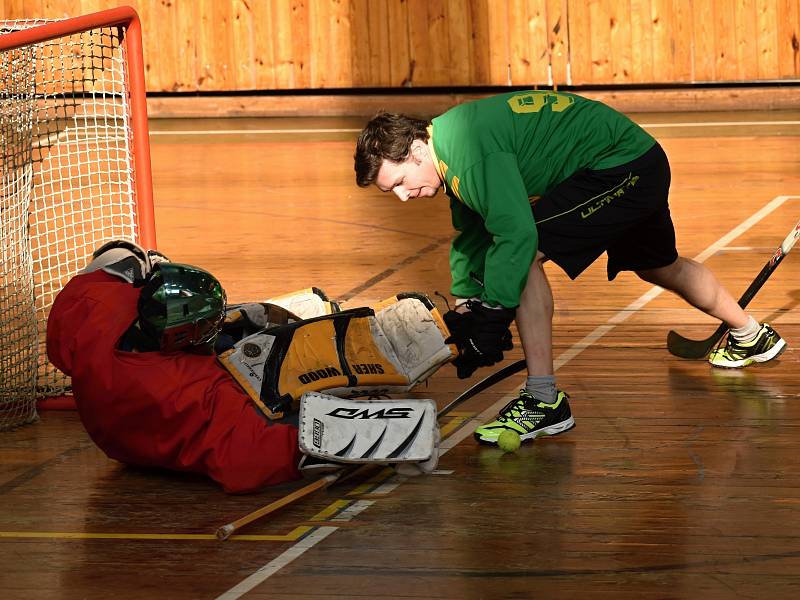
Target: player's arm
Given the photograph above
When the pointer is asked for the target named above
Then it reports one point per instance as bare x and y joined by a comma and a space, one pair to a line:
497, 192
468, 251
494, 189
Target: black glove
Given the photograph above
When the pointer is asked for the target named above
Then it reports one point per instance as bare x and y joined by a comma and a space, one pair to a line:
481, 334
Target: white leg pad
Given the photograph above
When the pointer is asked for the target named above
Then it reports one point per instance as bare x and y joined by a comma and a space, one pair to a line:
363, 431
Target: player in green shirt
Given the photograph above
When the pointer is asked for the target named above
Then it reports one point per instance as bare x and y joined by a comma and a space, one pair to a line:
535, 176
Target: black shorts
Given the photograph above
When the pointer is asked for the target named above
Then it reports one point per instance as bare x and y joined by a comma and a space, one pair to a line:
623, 211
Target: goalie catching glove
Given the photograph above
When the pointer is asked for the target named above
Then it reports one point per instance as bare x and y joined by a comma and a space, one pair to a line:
337, 430
126, 260
481, 334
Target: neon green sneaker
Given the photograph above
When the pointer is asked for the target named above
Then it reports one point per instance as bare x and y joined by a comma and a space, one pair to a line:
529, 418
766, 346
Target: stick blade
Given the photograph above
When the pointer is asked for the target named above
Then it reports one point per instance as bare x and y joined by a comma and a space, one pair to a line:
692, 349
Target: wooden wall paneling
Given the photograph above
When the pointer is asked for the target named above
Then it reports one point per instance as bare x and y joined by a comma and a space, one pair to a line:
529, 54
188, 17
788, 38
400, 66
459, 41
361, 43
725, 36
420, 44
480, 60
19, 9
339, 58
320, 41
154, 69
663, 32
600, 31
331, 47
207, 74
704, 61
229, 45
329, 39
746, 39
243, 42
380, 46
557, 27
85, 7
263, 46
520, 51
223, 47
766, 39
59, 9
682, 40
580, 42
163, 26
620, 49
299, 59
442, 61
499, 59
641, 42
283, 40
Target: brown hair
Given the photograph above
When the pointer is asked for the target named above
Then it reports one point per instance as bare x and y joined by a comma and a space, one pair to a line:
387, 136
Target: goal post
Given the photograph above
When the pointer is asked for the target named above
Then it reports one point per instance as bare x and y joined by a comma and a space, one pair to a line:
75, 173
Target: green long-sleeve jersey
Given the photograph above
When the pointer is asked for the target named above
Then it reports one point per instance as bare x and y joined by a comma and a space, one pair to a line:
496, 155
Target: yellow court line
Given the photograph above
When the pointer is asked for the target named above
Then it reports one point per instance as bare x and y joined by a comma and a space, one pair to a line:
457, 421
66, 535
294, 535
368, 486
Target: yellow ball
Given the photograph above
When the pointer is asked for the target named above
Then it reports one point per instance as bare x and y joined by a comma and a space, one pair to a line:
509, 440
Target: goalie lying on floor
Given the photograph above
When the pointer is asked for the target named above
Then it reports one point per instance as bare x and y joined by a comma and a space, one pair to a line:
139, 336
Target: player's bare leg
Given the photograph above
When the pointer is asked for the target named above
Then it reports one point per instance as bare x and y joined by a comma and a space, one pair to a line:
749, 341
535, 320
540, 409
695, 283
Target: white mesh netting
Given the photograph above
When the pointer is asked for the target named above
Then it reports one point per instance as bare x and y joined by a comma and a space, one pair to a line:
67, 187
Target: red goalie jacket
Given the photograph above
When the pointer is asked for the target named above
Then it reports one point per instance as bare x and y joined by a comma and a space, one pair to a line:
175, 410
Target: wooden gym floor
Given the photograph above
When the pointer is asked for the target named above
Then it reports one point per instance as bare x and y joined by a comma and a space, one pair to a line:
679, 481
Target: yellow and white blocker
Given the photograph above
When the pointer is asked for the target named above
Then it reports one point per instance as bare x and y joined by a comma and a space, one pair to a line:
377, 351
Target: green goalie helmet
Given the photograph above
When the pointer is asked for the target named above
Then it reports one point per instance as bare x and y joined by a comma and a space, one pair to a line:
181, 307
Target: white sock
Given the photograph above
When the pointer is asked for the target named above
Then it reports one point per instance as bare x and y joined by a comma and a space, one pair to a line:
747, 333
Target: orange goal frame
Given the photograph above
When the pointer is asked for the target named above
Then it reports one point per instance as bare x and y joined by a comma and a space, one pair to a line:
128, 21
127, 17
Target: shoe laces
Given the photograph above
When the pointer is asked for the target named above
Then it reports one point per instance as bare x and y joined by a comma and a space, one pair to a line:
734, 346
507, 412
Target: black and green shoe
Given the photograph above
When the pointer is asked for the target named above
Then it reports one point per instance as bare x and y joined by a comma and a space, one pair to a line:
734, 355
530, 418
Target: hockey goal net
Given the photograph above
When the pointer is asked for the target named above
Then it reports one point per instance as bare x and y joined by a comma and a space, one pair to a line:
75, 173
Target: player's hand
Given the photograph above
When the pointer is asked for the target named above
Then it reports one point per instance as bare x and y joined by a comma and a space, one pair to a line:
481, 334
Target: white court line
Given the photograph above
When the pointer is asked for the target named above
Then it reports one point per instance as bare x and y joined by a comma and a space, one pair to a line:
190, 132
283, 559
465, 431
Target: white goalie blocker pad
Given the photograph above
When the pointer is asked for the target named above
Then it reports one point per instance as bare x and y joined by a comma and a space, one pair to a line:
364, 431
408, 335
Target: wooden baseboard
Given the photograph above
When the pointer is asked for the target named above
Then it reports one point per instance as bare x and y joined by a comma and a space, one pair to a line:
427, 104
